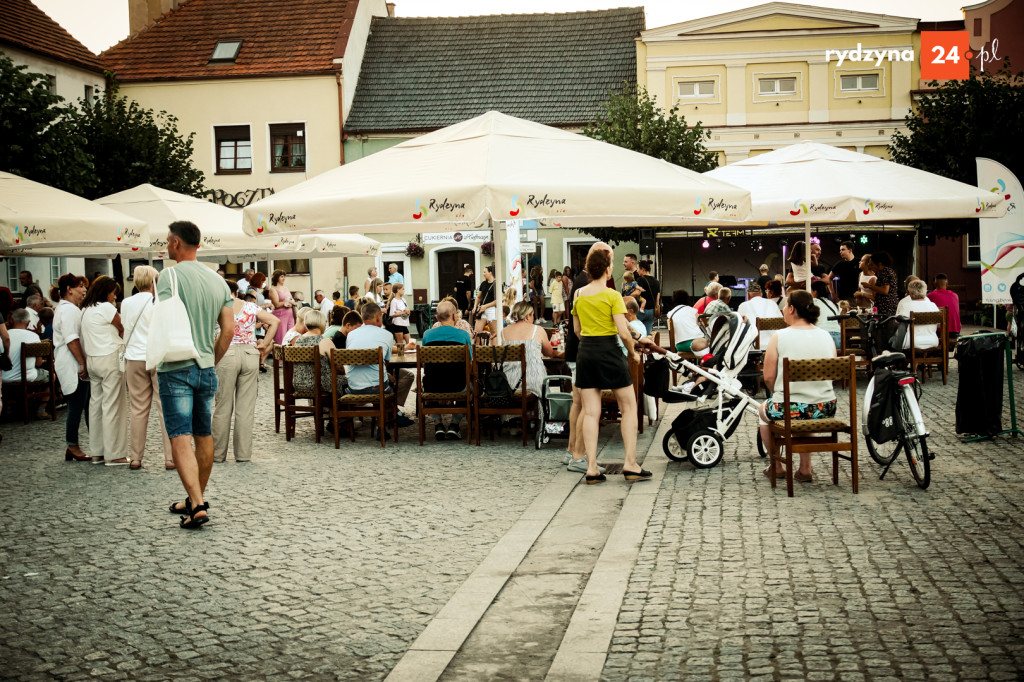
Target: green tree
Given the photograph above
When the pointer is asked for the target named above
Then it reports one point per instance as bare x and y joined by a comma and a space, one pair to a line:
130, 145
962, 119
632, 119
38, 140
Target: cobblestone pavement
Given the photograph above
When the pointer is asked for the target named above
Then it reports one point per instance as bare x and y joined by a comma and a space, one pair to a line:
737, 581
317, 563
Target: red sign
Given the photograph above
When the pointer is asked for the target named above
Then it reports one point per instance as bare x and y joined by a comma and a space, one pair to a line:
945, 55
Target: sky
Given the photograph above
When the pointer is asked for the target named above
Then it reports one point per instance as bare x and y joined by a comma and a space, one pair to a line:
98, 24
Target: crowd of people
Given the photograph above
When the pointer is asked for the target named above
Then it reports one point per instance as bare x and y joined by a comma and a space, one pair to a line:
105, 370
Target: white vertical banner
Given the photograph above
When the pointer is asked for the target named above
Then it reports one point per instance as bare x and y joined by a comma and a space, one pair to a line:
1001, 239
513, 258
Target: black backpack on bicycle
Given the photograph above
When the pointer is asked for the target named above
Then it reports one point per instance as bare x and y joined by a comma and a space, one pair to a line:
885, 423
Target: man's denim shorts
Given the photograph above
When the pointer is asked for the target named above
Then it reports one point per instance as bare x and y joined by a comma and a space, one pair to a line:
186, 396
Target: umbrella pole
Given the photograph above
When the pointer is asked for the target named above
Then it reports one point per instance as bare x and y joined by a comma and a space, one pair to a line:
498, 235
807, 252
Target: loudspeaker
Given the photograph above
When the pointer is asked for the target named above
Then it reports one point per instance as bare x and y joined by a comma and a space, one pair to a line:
926, 237
648, 245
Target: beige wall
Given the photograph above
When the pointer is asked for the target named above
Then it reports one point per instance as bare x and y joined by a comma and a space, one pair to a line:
71, 81
257, 102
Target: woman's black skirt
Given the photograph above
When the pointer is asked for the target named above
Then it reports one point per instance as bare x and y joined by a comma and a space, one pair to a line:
601, 364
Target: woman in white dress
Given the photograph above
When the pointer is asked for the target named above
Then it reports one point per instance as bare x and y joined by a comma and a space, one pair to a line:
523, 332
69, 359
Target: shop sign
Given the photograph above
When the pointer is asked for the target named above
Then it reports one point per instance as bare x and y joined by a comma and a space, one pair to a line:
463, 237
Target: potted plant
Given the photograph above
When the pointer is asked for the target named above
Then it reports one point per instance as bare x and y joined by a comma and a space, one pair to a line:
414, 250
487, 248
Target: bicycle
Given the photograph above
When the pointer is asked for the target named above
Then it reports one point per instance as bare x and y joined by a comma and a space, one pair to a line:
902, 393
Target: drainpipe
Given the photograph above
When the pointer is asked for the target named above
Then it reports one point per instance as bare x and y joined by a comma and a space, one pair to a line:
341, 158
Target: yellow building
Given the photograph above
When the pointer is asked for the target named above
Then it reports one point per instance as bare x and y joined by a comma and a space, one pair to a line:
764, 77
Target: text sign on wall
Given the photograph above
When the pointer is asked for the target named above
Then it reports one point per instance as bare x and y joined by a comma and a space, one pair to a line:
464, 237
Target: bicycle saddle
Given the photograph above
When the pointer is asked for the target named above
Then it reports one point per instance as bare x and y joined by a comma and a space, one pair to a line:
888, 358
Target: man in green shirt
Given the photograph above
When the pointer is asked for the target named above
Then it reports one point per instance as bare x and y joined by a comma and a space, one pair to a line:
187, 387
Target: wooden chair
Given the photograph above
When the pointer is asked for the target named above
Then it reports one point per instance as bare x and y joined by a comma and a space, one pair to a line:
451, 359
278, 368
851, 342
382, 406
926, 359
803, 435
291, 356
610, 406
768, 324
483, 359
31, 390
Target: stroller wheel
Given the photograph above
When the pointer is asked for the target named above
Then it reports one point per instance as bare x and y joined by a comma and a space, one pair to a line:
673, 450
706, 449
760, 445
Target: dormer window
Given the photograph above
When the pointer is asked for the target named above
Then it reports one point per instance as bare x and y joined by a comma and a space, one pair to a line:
226, 51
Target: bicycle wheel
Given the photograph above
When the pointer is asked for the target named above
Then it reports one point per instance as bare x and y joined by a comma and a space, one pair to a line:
915, 446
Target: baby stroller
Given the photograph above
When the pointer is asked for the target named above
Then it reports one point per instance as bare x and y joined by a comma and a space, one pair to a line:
699, 433
552, 411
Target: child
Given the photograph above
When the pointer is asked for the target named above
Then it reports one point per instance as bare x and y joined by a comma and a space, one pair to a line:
557, 298
353, 296
697, 387
398, 312
629, 285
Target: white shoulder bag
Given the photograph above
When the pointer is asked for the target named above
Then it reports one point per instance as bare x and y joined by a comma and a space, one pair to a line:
170, 330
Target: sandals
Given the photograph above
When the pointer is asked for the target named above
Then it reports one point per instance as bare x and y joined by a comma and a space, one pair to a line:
600, 478
135, 465
193, 522
175, 509
642, 475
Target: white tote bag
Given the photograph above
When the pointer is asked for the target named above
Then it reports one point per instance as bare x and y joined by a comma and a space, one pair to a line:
170, 330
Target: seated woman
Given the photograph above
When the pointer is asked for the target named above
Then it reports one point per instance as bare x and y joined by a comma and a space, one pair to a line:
335, 319
302, 380
523, 332
801, 340
826, 309
773, 291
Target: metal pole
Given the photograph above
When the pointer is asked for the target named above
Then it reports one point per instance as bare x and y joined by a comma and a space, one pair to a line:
498, 235
807, 252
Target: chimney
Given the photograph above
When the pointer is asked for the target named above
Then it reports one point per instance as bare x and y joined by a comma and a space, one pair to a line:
142, 13
391, 8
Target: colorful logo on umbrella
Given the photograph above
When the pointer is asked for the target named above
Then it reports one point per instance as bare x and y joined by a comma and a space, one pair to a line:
981, 205
17, 234
798, 208
418, 212
517, 208
261, 224
1001, 189
868, 206
701, 207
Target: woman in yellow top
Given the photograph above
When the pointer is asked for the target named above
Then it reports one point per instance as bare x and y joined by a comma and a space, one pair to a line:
599, 319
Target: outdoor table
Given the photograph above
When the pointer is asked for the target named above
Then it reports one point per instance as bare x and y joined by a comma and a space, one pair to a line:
406, 360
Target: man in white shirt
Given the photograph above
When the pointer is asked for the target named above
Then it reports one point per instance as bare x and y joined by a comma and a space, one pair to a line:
33, 304
394, 276
683, 321
757, 306
243, 283
364, 378
20, 335
925, 335
323, 303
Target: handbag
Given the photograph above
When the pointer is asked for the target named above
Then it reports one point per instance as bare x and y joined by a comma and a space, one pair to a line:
497, 390
121, 362
5, 361
170, 330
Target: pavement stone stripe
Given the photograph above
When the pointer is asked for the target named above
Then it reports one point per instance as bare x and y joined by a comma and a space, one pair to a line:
581, 655
433, 650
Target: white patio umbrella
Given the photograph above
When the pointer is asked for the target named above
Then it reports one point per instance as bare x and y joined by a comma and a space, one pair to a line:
304, 246
36, 219
494, 168
812, 182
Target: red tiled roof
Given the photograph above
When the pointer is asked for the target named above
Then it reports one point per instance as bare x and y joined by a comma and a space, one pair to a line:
278, 37
24, 25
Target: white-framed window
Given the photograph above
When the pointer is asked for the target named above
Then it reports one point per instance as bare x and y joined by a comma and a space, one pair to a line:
776, 86
696, 89
859, 82
58, 266
972, 248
